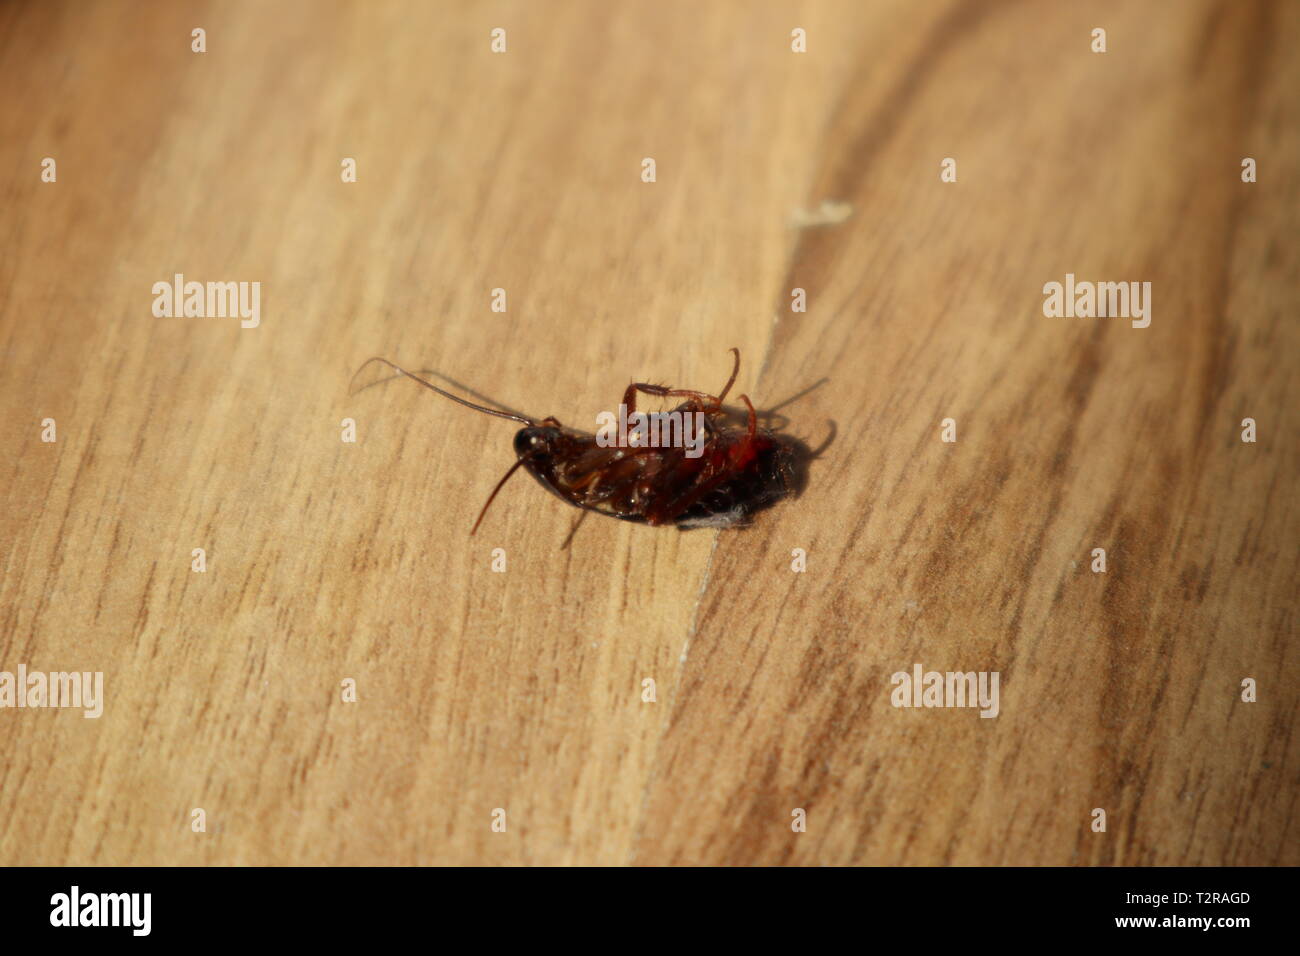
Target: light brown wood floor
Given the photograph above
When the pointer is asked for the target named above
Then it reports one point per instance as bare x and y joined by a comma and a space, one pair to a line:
522, 690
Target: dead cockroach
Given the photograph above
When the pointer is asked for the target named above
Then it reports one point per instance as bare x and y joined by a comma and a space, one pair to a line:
735, 471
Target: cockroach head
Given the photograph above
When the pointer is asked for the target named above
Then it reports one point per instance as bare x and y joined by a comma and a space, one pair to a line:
540, 441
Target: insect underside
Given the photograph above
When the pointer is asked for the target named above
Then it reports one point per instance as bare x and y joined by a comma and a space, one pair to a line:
718, 481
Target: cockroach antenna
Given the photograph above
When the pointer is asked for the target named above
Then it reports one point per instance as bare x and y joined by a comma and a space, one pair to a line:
522, 459
455, 398
504, 478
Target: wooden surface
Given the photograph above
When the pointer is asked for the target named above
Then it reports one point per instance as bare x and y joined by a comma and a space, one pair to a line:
523, 690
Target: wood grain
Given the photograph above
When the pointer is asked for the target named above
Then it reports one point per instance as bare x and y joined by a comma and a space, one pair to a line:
523, 690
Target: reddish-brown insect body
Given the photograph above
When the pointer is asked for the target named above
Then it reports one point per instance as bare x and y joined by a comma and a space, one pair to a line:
733, 472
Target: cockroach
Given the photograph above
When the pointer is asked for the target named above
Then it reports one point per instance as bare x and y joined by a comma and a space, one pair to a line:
737, 470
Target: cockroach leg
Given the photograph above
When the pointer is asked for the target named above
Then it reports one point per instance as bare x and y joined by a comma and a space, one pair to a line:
706, 401
582, 514
735, 370
710, 402
753, 417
